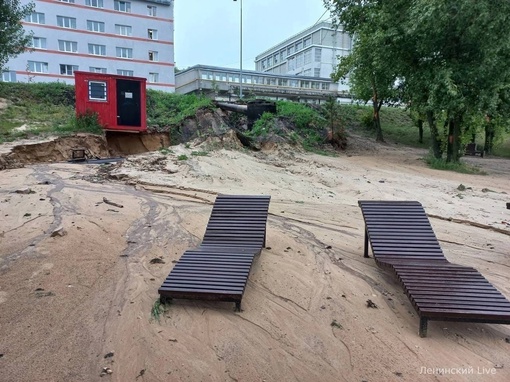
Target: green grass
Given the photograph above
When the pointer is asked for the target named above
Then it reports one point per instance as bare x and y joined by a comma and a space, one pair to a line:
158, 309
503, 149
441, 164
182, 157
398, 127
199, 153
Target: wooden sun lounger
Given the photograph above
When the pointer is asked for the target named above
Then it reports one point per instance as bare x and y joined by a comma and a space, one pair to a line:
218, 269
402, 239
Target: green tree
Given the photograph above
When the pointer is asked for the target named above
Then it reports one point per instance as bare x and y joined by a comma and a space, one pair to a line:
370, 77
449, 57
13, 39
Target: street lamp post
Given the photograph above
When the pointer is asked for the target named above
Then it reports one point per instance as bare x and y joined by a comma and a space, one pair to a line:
241, 52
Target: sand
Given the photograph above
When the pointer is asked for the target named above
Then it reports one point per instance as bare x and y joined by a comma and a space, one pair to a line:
67, 301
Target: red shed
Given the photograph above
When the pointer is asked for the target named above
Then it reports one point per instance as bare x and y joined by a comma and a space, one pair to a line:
119, 101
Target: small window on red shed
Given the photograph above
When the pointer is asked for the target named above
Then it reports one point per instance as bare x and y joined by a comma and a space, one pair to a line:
97, 90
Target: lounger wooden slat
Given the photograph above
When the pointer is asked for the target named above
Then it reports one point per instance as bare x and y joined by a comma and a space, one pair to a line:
401, 238
218, 269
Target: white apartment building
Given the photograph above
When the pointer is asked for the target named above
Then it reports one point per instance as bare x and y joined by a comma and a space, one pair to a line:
131, 38
312, 53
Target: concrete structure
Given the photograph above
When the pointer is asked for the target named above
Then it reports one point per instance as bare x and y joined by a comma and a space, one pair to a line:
130, 38
223, 83
312, 53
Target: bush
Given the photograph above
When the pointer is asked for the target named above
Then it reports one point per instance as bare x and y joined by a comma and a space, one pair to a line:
263, 126
52, 93
168, 109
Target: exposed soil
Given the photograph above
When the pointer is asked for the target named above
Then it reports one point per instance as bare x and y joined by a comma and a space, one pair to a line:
17, 154
74, 303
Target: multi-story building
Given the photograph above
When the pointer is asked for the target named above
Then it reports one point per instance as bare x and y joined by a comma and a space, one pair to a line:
131, 38
223, 83
313, 52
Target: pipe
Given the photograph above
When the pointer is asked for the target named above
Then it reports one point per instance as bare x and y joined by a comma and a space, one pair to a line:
233, 107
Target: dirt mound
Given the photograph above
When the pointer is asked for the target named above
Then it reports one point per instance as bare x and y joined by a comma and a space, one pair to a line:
55, 150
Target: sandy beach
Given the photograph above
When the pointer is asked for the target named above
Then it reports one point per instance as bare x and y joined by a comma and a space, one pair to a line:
79, 277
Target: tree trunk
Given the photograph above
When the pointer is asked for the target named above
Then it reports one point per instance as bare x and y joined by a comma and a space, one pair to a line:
449, 148
489, 138
377, 120
420, 130
435, 142
454, 130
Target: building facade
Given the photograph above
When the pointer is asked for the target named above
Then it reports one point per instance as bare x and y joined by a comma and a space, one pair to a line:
223, 84
313, 53
131, 38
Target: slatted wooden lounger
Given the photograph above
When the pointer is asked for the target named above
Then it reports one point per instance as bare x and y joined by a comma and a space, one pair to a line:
402, 239
218, 269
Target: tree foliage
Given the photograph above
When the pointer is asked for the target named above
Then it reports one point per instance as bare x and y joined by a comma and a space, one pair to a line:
13, 39
449, 58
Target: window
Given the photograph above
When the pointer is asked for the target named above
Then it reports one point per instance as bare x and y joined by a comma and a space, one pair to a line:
275, 59
307, 72
308, 56
67, 46
152, 34
97, 50
307, 42
299, 45
151, 10
35, 17
37, 67
282, 82
206, 75
293, 83
318, 54
270, 61
264, 64
68, 70
122, 6
67, 1
124, 52
122, 72
97, 90
317, 72
38, 42
153, 55
153, 77
66, 22
94, 3
299, 60
283, 55
95, 69
315, 85
305, 84
292, 63
123, 30
9, 76
290, 50
325, 86
95, 26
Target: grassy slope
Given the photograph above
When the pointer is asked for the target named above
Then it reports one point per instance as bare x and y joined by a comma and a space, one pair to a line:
49, 108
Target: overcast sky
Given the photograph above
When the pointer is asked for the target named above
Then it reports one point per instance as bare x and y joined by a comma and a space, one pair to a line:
207, 31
